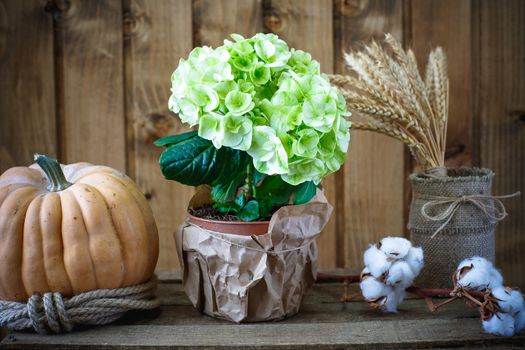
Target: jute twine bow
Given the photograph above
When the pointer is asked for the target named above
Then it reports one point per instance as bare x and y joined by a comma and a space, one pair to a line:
54, 313
484, 202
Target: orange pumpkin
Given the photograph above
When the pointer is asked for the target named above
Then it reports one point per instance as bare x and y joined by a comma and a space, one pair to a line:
71, 229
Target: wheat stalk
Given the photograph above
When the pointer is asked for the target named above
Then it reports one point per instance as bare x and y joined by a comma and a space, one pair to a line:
394, 100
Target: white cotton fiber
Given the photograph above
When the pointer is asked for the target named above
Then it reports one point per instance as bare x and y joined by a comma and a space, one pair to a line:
414, 258
372, 288
509, 300
400, 274
393, 299
496, 279
479, 274
389, 270
499, 324
376, 261
519, 321
395, 247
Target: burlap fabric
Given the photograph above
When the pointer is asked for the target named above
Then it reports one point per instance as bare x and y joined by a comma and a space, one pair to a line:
469, 231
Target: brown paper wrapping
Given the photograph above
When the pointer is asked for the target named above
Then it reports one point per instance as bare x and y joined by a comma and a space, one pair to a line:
241, 279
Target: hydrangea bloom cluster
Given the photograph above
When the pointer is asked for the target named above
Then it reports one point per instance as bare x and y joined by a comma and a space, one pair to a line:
480, 275
390, 268
259, 96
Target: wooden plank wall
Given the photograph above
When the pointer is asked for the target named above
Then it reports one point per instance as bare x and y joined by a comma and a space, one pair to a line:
89, 80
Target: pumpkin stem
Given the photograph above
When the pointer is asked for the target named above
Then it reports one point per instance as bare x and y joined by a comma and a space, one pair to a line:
54, 173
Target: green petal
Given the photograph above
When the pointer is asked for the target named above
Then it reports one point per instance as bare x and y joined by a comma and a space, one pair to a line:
260, 74
239, 103
306, 143
211, 128
237, 132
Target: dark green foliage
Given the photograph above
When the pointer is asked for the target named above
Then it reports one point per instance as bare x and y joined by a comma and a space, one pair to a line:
192, 160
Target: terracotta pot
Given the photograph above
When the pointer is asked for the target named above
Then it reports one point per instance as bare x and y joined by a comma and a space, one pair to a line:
254, 228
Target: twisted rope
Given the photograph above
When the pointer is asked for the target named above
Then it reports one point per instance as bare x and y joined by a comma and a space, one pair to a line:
54, 313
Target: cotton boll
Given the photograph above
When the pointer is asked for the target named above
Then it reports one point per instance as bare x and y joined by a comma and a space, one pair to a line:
395, 247
500, 324
376, 261
400, 274
478, 273
393, 299
372, 288
509, 300
519, 321
496, 279
414, 258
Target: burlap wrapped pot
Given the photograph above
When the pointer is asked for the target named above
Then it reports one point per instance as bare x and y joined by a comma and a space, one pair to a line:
452, 217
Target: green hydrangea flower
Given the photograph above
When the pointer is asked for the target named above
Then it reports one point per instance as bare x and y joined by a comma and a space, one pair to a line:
258, 95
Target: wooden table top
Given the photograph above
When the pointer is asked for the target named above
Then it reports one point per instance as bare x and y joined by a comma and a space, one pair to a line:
323, 323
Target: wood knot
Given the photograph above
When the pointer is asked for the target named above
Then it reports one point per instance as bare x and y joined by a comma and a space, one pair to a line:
57, 7
156, 125
351, 8
133, 24
273, 22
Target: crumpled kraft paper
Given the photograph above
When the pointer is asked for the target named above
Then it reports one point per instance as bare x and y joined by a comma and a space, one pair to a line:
242, 279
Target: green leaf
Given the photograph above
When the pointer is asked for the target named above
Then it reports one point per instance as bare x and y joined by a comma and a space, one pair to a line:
227, 208
304, 192
265, 208
274, 189
174, 139
195, 161
257, 176
227, 191
241, 200
272, 193
250, 211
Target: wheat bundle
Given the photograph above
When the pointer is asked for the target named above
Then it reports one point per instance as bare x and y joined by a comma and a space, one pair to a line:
393, 98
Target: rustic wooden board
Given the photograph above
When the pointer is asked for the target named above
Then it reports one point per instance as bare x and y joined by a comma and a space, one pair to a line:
155, 36
374, 179
323, 323
500, 132
447, 23
90, 83
27, 98
215, 20
307, 25
102, 96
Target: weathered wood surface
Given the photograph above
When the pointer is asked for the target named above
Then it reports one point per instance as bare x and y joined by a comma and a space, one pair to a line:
447, 23
88, 43
89, 80
500, 132
376, 193
27, 84
322, 323
149, 62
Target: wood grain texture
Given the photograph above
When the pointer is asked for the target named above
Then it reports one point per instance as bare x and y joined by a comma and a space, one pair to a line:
447, 23
322, 323
374, 179
307, 25
27, 88
215, 20
500, 130
89, 48
156, 37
